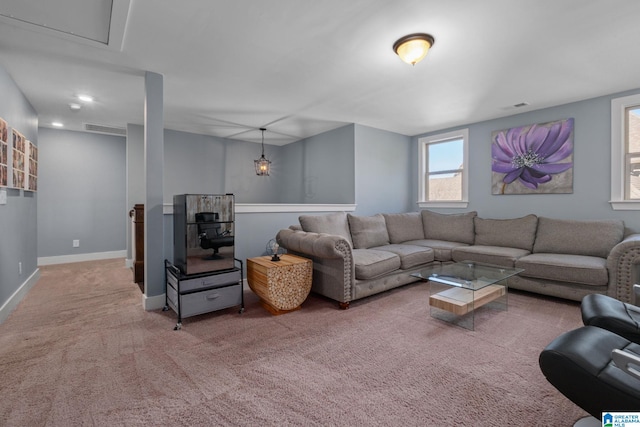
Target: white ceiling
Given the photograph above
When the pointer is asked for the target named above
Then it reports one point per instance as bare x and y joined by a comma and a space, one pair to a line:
302, 67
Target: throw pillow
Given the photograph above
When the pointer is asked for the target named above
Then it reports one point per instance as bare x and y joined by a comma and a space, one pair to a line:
333, 223
449, 227
404, 226
591, 238
368, 231
517, 233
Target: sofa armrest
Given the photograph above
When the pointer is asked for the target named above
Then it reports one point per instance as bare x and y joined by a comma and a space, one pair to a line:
333, 266
314, 244
623, 263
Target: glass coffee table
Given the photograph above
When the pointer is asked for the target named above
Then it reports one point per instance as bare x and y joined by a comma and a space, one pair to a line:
457, 290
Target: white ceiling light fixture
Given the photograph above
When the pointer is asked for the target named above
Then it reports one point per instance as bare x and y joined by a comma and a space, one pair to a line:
75, 106
262, 164
414, 47
57, 124
85, 98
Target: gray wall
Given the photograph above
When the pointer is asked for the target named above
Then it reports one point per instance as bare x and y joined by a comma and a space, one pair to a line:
204, 164
591, 171
320, 169
383, 162
82, 182
316, 170
192, 164
200, 164
18, 221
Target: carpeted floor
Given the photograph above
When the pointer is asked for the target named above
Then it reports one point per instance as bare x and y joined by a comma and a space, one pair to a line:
80, 351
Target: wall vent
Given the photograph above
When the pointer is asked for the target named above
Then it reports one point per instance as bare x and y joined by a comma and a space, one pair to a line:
110, 130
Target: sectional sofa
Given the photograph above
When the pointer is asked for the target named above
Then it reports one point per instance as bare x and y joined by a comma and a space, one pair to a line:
358, 256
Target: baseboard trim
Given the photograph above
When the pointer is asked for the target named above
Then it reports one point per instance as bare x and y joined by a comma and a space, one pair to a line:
153, 303
66, 259
128, 263
17, 296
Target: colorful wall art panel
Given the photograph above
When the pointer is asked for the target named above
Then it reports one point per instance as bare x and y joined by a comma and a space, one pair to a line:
533, 159
4, 153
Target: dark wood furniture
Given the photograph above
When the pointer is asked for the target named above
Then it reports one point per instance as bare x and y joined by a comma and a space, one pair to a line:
137, 244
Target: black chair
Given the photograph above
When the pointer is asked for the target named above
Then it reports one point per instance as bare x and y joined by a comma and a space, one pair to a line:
596, 369
210, 234
613, 315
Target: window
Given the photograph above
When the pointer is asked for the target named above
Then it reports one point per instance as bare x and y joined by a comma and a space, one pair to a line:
443, 177
625, 153
632, 154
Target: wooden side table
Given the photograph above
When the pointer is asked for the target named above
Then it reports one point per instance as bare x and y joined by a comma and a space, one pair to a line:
281, 285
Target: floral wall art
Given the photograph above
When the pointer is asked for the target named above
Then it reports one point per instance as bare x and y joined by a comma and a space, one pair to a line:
533, 159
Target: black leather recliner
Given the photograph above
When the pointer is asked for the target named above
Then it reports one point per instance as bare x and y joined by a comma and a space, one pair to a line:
598, 366
595, 368
613, 315
210, 235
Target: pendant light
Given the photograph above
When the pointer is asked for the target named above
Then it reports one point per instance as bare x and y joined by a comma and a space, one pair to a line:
262, 164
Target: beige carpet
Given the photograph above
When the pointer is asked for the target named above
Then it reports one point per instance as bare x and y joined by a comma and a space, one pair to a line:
80, 351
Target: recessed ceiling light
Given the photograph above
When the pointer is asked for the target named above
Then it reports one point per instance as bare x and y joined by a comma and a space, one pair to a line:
75, 106
57, 124
85, 98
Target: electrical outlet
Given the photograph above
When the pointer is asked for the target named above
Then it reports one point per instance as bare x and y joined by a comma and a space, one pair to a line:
76, 243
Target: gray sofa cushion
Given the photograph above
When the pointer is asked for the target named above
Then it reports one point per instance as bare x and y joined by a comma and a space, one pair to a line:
333, 223
404, 226
441, 249
370, 263
368, 231
591, 238
449, 227
497, 255
586, 270
511, 233
410, 255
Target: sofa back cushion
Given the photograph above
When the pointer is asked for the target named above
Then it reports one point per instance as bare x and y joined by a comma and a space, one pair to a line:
333, 223
368, 231
404, 226
591, 238
519, 233
449, 227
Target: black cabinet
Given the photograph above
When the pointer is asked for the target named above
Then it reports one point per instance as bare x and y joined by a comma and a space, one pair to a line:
203, 232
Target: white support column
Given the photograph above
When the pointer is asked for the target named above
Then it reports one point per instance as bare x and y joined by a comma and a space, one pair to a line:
154, 287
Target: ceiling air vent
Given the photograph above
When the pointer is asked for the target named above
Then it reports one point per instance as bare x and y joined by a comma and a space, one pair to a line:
110, 130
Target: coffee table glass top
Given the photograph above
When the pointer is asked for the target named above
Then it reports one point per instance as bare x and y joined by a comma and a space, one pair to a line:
467, 274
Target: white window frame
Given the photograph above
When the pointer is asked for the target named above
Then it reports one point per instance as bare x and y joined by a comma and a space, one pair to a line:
423, 143
618, 152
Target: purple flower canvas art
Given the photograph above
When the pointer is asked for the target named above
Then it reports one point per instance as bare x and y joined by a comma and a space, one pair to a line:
533, 159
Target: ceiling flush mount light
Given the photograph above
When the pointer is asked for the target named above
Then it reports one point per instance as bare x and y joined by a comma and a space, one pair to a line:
57, 124
414, 47
262, 164
85, 98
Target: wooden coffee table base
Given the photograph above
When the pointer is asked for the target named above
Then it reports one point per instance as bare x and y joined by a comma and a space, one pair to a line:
462, 301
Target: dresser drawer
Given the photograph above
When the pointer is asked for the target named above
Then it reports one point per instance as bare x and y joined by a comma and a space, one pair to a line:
210, 281
205, 301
